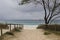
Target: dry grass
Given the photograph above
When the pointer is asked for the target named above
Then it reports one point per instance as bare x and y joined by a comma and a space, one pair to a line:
4, 26
54, 27
17, 29
46, 33
9, 33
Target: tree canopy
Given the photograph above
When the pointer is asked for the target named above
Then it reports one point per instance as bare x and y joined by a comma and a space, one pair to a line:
51, 8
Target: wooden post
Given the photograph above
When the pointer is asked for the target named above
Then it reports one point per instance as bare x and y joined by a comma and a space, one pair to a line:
55, 28
10, 27
1, 31
14, 26
17, 25
22, 25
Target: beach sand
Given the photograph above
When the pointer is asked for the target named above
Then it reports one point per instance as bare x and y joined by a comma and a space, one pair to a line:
30, 26
29, 32
32, 34
7, 30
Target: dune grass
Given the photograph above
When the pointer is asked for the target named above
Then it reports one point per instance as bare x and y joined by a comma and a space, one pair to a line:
53, 28
20, 27
17, 29
54, 32
9, 33
46, 33
4, 26
12, 32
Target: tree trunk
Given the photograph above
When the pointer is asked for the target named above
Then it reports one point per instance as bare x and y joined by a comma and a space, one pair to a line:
10, 27
46, 23
1, 31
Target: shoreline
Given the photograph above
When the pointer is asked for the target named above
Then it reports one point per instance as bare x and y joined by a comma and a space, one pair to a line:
30, 26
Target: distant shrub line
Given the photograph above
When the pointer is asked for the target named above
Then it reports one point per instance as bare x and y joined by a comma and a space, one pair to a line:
54, 27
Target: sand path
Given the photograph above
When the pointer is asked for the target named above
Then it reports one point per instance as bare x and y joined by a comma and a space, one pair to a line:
33, 34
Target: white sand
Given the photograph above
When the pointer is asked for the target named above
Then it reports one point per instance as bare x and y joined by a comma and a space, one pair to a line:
33, 34
30, 26
25, 27
7, 30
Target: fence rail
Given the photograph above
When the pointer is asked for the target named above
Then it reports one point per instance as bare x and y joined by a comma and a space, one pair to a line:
11, 26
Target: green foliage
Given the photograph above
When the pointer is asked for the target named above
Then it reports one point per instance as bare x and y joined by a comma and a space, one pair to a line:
20, 27
24, 1
4, 26
41, 26
47, 33
9, 33
53, 27
55, 32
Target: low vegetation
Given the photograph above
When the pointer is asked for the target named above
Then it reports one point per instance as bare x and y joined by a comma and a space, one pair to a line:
54, 32
46, 33
17, 30
4, 26
53, 28
9, 33
20, 27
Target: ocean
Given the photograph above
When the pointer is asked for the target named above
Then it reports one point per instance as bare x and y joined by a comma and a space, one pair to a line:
28, 22
25, 22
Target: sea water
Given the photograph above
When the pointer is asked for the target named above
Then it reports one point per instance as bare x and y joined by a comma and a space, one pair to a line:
28, 22
25, 22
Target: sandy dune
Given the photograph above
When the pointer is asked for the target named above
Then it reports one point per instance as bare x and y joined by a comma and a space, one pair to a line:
33, 34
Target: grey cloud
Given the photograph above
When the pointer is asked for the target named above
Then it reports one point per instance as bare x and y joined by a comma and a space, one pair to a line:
9, 9
30, 8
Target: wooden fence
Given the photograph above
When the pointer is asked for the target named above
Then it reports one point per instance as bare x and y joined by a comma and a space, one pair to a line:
10, 28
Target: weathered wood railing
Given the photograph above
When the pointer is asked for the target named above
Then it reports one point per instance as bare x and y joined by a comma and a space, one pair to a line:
10, 27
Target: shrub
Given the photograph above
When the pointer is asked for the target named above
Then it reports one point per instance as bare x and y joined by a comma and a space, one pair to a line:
41, 26
4, 26
20, 27
17, 30
47, 33
54, 27
9, 33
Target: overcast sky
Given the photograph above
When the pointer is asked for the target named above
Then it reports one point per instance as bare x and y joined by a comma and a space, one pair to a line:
9, 9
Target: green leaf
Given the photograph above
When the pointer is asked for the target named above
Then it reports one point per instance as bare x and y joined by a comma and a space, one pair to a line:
24, 1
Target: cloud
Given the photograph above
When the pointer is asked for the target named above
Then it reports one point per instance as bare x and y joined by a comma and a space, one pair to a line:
30, 8
9, 9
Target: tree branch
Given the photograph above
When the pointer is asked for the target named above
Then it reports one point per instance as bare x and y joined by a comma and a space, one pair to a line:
54, 8
55, 14
45, 11
49, 10
54, 19
44, 7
